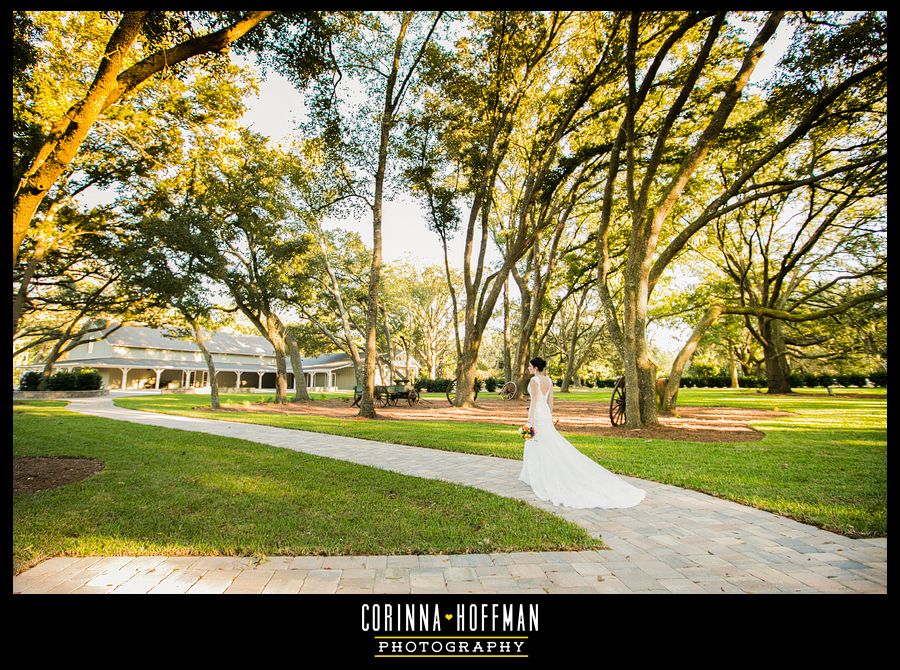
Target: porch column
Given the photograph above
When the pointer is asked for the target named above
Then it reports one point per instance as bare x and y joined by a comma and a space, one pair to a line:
158, 372
124, 378
259, 384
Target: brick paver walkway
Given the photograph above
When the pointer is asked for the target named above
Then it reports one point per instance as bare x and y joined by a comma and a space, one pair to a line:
675, 541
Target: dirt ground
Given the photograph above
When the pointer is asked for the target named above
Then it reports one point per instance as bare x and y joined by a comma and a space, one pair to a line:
692, 424
32, 474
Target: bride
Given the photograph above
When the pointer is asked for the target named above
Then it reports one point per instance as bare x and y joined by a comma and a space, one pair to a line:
557, 471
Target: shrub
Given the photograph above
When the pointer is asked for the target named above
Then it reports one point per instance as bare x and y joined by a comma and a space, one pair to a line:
83, 380
438, 385
878, 378
824, 380
30, 381
796, 379
857, 380
490, 384
61, 381
88, 380
588, 383
851, 380
702, 370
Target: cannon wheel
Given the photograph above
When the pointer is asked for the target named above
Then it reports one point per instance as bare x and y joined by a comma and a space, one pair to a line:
451, 391
508, 391
617, 403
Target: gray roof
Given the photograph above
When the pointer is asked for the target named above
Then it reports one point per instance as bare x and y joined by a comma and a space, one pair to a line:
327, 360
217, 343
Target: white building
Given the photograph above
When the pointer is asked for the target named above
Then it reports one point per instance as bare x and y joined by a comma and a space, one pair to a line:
145, 358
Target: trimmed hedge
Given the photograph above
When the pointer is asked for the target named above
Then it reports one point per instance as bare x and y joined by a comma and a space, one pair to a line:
878, 378
30, 381
795, 379
82, 380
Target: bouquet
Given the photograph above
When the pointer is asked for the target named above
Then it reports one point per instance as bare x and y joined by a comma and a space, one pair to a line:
526, 431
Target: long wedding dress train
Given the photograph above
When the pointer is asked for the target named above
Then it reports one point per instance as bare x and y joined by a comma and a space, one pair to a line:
559, 473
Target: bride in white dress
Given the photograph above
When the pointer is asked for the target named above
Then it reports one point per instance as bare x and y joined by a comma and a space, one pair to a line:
557, 471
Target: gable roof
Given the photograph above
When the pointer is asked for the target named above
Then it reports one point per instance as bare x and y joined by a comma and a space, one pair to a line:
217, 343
142, 337
327, 360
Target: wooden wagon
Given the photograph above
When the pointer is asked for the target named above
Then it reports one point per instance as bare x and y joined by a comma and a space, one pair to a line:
390, 394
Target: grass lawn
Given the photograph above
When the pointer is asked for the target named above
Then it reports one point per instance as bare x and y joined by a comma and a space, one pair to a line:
825, 465
165, 491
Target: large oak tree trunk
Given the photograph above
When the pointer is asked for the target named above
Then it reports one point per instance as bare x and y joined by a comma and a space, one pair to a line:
300, 392
49, 362
507, 335
200, 339
775, 353
466, 368
276, 337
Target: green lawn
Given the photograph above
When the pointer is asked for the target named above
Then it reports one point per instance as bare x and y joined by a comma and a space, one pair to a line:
165, 491
825, 465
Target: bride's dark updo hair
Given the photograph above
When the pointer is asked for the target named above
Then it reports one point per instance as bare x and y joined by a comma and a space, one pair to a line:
538, 363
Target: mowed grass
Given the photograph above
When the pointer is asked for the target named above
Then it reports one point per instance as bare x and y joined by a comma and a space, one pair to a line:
169, 492
825, 464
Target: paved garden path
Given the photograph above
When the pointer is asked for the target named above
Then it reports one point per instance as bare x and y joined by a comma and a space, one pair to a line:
675, 541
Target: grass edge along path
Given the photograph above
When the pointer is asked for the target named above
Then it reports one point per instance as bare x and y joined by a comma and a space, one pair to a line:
169, 492
825, 464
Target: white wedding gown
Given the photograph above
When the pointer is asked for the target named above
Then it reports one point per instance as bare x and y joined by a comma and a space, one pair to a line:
559, 473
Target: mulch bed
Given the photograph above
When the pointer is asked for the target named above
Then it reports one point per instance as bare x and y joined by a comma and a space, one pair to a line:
32, 474
692, 424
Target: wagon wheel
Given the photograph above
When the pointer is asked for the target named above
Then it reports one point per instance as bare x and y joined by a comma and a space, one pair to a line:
413, 397
508, 390
382, 398
392, 399
617, 403
451, 392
